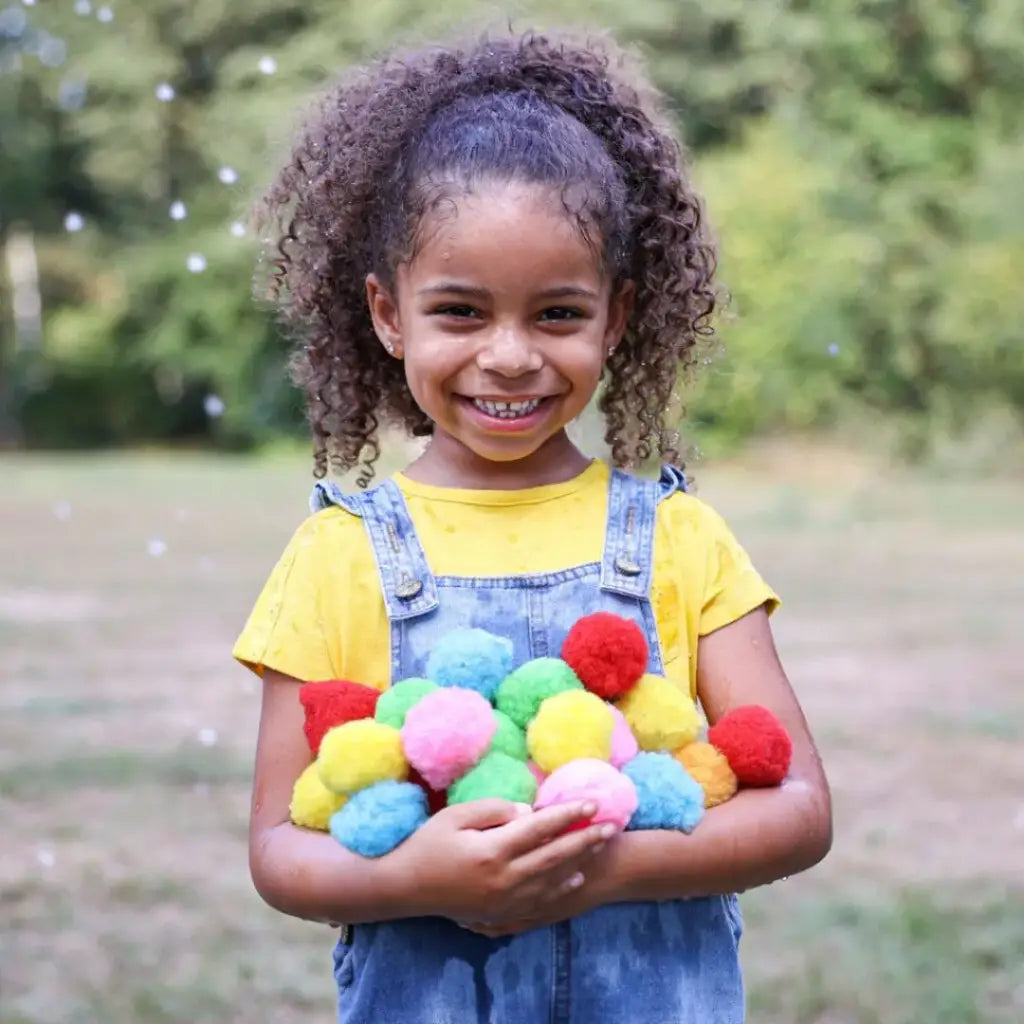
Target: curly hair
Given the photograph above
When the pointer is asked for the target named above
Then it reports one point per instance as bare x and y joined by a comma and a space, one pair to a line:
382, 148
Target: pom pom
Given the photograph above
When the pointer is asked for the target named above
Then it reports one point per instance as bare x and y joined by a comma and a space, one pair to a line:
661, 716
395, 702
334, 703
596, 781
709, 768
607, 652
569, 726
755, 743
471, 659
666, 795
446, 733
521, 694
509, 738
497, 775
312, 802
624, 744
358, 754
377, 819
437, 799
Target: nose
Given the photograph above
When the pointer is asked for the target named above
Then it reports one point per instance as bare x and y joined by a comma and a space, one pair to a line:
509, 352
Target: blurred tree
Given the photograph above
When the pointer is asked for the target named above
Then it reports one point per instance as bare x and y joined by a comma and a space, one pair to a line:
861, 160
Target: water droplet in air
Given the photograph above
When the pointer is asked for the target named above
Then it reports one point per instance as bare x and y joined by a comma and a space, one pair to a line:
228, 175
52, 52
268, 65
62, 510
46, 857
157, 548
12, 22
71, 95
74, 222
207, 737
165, 92
213, 405
178, 210
83, 7
196, 262
238, 229
833, 349
29, 3
104, 14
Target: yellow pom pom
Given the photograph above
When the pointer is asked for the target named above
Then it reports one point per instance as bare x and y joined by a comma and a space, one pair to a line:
661, 716
569, 725
358, 754
708, 766
312, 802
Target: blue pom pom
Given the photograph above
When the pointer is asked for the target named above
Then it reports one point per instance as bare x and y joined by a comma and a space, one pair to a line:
667, 796
377, 819
471, 658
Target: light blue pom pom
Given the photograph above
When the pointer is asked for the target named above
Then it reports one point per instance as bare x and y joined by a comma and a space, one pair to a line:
377, 819
667, 795
471, 658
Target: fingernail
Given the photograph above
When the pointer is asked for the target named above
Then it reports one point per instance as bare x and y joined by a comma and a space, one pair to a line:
598, 847
576, 881
607, 831
588, 809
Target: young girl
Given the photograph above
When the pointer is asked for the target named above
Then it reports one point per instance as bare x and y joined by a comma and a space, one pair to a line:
471, 241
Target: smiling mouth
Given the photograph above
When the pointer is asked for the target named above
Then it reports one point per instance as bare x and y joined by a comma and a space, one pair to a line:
507, 410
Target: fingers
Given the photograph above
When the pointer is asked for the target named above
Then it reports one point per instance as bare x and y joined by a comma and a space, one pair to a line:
555, 854
482, 814
530, 831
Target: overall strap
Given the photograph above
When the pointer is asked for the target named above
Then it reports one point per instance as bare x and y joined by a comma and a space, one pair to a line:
406, 580
627, 565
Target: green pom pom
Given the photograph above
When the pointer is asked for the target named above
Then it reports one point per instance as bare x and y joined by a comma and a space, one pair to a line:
509, 738
523, 692
496, 776
394, 703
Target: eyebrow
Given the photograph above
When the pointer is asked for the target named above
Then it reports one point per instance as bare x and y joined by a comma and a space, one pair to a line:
458, 288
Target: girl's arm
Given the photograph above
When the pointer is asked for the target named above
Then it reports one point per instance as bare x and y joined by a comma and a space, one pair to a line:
758, 836
466, 862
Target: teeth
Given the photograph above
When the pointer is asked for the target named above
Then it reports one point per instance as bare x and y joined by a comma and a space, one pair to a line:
507, 410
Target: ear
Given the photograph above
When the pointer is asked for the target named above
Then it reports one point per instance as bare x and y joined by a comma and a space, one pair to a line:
620, 305
387, 323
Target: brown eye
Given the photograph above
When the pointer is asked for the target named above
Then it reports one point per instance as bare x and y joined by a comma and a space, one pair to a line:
559, 313
460, 312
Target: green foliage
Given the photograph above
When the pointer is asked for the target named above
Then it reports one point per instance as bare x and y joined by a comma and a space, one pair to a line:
863, 162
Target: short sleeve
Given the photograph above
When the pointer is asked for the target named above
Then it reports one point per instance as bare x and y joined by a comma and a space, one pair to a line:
285, 631
733, 587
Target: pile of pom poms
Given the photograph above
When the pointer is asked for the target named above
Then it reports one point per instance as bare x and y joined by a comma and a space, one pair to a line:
591, 725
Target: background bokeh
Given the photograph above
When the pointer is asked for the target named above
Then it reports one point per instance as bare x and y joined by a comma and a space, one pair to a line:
861, 424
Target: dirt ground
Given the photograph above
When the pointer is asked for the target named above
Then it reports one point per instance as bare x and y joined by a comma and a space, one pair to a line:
126, 738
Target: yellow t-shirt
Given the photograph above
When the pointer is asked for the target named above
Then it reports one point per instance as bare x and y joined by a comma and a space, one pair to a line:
321, 614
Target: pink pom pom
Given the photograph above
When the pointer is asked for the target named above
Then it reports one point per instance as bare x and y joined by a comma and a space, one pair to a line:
624, 744
597, 781
446, 733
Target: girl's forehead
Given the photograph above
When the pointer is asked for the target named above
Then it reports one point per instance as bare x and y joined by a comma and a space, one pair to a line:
505, 226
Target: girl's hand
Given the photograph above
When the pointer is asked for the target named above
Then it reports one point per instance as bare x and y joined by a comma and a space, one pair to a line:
492, 859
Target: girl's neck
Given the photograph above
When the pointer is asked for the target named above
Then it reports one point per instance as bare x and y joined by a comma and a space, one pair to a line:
449, 463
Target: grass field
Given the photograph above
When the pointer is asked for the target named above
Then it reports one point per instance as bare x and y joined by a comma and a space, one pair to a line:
126, 739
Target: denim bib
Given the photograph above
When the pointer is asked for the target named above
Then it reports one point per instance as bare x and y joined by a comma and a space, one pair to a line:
672, 962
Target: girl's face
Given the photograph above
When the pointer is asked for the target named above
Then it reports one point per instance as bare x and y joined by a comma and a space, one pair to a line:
504, 320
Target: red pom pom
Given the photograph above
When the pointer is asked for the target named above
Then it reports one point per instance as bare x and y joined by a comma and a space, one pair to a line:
437, 799
755, 743
334, 703
607, 652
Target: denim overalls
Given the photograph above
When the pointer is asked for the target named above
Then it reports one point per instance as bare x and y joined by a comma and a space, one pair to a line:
630, 963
